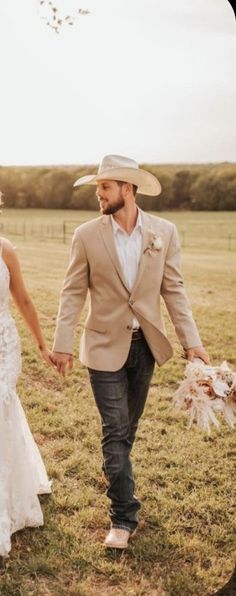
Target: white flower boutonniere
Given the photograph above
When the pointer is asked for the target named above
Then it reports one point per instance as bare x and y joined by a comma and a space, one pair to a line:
155, 243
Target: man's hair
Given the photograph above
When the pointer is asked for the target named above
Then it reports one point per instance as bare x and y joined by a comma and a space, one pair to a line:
135, 188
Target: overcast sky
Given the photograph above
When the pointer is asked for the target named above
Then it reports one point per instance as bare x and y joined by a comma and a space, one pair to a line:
151, 79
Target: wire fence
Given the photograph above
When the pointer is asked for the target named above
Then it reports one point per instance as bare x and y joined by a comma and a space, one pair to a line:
61, 232
207, 237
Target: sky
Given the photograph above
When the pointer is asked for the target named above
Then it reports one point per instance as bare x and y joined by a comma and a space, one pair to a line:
151, 79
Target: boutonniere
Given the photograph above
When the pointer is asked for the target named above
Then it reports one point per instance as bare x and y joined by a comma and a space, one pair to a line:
155, 243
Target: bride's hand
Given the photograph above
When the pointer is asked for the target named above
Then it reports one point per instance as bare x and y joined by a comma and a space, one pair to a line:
46, 355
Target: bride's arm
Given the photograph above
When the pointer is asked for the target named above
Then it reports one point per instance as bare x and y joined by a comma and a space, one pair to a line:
22, 298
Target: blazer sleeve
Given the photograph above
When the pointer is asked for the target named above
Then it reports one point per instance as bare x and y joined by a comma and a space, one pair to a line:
73, 296
175, 297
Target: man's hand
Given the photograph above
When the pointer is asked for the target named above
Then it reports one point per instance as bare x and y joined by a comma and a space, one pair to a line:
62, 361
197, 352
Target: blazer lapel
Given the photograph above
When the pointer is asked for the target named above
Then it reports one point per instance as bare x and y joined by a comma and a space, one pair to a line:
108, 239
147, 236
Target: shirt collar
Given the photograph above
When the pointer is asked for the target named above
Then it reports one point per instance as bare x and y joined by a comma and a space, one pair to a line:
138, 225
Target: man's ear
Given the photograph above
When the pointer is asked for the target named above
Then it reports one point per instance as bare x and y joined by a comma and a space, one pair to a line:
129, 187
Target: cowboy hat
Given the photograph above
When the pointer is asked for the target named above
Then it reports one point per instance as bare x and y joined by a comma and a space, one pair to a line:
116, 167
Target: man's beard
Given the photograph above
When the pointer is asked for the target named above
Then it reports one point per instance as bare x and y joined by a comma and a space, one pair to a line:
110, 209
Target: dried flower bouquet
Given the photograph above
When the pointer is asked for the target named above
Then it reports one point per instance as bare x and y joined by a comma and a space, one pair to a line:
206, 391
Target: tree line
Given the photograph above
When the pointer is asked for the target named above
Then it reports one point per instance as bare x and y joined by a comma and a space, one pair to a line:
209, 187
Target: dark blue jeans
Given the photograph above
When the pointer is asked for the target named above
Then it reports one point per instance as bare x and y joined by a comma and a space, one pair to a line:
120, 397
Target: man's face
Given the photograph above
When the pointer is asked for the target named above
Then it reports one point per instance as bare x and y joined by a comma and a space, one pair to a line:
110, 196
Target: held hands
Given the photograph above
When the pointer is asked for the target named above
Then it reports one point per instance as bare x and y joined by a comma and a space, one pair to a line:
46, 355
58, 360
197, 352
61, 361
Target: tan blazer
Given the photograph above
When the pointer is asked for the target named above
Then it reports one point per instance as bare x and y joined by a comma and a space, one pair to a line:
94, 267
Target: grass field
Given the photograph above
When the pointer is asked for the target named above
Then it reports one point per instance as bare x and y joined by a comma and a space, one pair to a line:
185, 479
198, 230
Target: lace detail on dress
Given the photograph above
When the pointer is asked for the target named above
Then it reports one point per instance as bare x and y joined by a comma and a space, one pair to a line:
22, 472
10, 356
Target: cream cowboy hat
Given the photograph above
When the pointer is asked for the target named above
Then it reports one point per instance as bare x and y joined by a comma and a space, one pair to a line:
116, 167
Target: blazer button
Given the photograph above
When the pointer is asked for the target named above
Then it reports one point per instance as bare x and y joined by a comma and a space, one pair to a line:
129, 327
131, 302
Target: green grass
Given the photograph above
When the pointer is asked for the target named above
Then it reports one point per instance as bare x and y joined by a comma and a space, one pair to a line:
186, 541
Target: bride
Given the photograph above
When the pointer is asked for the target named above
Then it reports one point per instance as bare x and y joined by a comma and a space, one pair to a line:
22, 472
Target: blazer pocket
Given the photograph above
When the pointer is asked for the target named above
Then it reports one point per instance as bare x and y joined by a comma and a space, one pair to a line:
95, 326
155, 253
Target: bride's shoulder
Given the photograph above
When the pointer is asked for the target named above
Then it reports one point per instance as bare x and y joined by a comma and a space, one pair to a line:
5, 243
7, 250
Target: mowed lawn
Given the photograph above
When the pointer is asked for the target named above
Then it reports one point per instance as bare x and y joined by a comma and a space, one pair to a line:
186, 480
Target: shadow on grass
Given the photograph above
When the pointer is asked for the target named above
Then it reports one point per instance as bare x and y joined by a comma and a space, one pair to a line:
59, 553
153, 557
230, 588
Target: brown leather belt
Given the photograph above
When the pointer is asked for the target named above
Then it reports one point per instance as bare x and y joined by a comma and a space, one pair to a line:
137, 334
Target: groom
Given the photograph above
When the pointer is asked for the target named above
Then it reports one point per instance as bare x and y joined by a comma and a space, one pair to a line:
126, 260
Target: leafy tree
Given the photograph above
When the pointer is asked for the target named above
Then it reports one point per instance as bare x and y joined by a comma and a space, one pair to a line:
209, 187
214, 191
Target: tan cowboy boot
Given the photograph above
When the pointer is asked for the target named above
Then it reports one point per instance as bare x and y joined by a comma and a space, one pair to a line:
118, 538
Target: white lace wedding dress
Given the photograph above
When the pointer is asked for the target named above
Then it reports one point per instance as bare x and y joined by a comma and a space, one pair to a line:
22, 472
